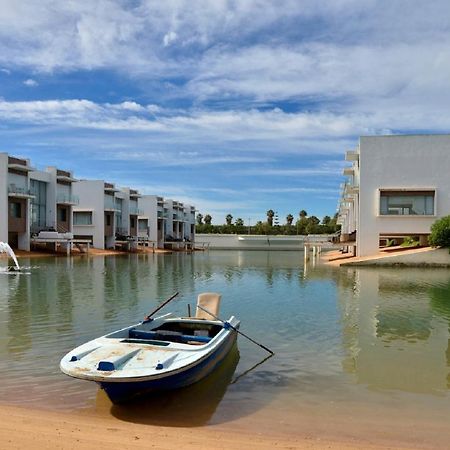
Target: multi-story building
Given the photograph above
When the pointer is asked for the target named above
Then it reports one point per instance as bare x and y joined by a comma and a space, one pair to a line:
96, 217
153, 211
397, 187
189, 226
15, 196
94, 210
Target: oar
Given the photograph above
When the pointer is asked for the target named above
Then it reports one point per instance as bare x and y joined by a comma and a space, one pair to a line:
235, 329
148, 318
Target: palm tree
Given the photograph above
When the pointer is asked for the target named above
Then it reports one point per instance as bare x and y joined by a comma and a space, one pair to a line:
270, 215
302, 214
289, 219
208, 219
239, 222
228, 219
199, 219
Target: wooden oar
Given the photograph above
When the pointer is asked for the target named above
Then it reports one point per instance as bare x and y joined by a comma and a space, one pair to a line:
148, 318
235, 329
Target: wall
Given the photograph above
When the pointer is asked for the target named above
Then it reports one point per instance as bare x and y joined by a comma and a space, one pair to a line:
91, 194
391, 162
250, 242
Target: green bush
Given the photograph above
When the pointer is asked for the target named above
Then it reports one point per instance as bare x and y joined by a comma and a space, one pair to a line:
409, 242
440, 233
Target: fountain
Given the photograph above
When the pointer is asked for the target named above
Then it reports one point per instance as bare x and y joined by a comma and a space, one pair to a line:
5, 248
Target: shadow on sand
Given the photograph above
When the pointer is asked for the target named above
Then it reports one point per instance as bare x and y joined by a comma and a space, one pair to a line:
191, 406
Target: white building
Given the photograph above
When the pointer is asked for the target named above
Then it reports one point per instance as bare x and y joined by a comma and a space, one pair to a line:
15, 198
95, 217
152, 209
397, 187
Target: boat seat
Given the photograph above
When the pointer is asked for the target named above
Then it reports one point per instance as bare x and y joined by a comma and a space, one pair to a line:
209, 301
165, 335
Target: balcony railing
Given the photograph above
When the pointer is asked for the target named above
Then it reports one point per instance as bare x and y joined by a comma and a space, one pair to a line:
67, 199
20, 191
135, 211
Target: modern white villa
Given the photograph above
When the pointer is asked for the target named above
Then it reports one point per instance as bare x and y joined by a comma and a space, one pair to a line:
37, 203
397, 186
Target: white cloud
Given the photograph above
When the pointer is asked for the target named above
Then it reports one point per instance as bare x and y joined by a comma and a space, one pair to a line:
30, 82
169, 38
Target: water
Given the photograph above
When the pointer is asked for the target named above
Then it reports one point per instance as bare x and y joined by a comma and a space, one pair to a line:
5, 248
349, 343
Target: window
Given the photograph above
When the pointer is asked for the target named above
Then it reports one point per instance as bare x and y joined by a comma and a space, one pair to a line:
38, 202
142, 225
108, 220
82, 218
407, 203
62, 215
15, 210
132, 222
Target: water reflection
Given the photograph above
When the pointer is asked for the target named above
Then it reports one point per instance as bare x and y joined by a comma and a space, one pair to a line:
396, 328
191, 406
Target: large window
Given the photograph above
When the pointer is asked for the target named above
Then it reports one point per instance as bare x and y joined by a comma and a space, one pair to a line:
38, 203
15, 210
406, 203
82, 218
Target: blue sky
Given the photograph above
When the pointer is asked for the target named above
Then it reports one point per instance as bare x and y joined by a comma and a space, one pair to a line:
234, 106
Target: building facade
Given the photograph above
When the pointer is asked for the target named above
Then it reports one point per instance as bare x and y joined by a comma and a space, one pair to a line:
32, 201
397, 186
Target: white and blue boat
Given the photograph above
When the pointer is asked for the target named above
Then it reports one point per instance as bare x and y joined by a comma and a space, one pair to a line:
157, 354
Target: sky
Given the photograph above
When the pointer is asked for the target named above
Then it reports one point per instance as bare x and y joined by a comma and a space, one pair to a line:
235, 106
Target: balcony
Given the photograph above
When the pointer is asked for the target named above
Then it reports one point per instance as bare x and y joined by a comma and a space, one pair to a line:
161, 215
110, 204
19, 165
351, 155
19, 192
135, 211
67, 199
349, 171
134, 194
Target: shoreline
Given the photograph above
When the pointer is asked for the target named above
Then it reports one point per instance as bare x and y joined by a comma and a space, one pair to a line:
41, 429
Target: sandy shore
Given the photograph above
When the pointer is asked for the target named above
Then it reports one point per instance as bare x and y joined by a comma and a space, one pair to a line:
92, 252
23, 428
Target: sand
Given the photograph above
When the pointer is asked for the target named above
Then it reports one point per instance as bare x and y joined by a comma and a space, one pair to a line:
23, 428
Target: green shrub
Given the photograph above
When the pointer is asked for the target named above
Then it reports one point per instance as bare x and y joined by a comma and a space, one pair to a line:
409, 242
390, 243
440, 233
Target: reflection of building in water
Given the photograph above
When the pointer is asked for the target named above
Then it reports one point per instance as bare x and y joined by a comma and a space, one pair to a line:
393, 335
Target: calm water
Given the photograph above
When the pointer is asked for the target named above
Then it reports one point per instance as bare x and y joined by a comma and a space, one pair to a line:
343, 338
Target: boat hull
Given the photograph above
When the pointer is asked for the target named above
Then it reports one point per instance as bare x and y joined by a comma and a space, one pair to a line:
120, 392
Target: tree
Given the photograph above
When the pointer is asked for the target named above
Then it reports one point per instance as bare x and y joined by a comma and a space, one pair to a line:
228, 219
326, 220
199, 219
289, 219
208, 219
302, 214
440, 233
270, 215
239, 222
312, 226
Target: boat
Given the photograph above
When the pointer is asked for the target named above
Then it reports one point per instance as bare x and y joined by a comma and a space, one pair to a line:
157, 354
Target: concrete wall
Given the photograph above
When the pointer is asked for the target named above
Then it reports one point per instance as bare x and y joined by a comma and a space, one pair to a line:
400, 162
3, 197
250, 242
148, 205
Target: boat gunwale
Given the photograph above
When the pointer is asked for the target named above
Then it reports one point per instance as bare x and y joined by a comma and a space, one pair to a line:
207, 349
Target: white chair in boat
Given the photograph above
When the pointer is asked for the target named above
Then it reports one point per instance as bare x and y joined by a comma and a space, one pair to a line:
211, 302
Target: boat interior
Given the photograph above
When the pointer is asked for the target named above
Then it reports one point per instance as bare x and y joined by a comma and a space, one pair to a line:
185, 331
